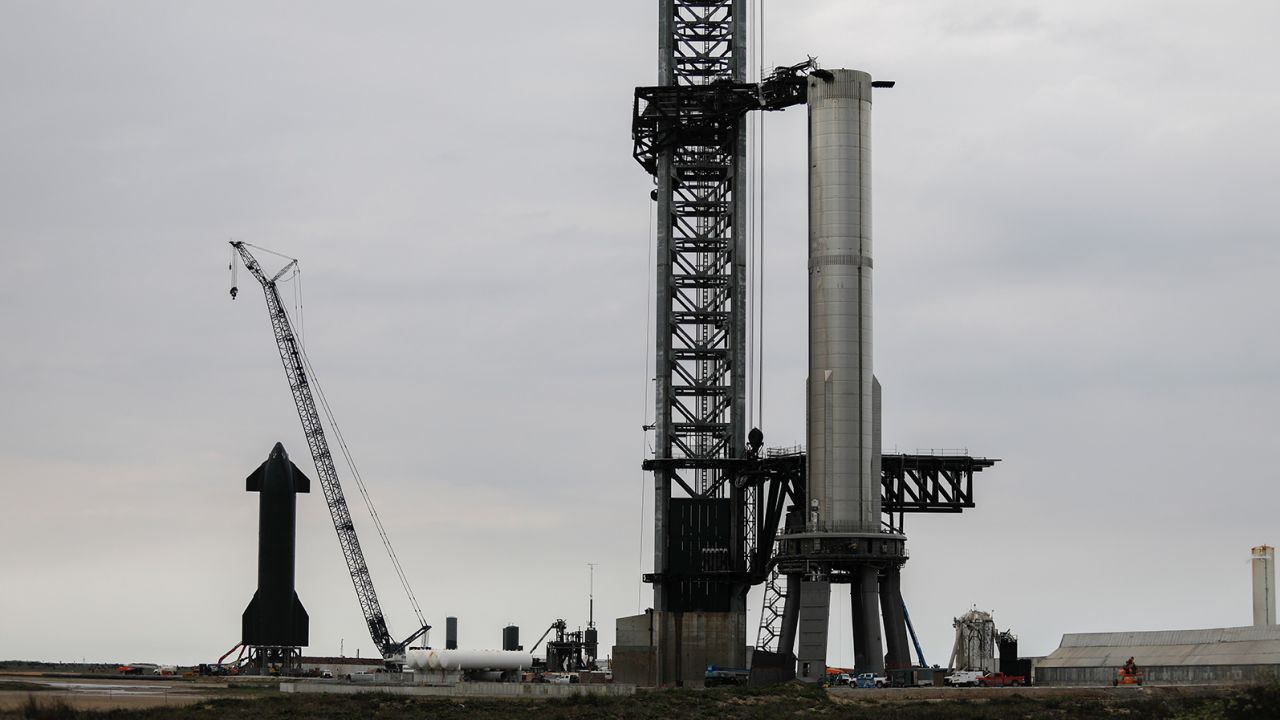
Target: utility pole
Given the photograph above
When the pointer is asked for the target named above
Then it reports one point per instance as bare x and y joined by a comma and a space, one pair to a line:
591, 597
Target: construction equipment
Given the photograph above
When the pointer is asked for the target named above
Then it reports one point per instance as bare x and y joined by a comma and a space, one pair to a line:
295, 368
1130, 674
914, 640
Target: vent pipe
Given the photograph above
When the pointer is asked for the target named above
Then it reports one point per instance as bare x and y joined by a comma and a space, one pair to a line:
1264, 585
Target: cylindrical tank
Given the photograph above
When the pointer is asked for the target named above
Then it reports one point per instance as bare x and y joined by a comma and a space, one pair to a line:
591, 642
843, 490
468, 660
511, 638
451, 633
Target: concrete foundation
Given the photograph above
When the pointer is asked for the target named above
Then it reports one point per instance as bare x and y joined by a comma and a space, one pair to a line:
675, 648
868, 653
814, 619
898, 651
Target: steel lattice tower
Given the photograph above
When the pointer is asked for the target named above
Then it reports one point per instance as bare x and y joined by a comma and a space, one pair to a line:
701, 289
724, 512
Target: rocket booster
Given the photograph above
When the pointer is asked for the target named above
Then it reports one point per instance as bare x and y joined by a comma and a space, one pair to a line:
844, 482
275, 616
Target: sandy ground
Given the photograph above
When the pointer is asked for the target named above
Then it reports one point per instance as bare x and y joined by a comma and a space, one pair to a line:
104, 693
83, 701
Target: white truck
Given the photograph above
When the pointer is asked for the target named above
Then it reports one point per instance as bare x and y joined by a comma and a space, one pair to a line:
869, 680
964, 678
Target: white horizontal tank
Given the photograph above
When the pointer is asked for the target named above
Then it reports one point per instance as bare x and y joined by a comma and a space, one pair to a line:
469, 660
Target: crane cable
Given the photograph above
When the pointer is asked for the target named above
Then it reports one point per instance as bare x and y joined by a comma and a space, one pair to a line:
364, 493
758, 165
645, 448
755, 234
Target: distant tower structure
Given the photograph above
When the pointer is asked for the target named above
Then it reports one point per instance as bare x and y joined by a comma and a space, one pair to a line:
451, 633
729, 514
1264, 585
975, 646
699, 588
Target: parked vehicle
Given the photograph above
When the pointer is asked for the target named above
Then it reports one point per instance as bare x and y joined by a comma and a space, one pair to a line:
964, 678
1127, 677
726, 676
870, 680
1001, 680
915, 677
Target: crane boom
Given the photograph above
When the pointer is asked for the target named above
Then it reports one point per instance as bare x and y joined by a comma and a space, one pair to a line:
291, 357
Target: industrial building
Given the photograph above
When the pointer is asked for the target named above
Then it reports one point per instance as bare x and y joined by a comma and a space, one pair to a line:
1217, 655
1236, 654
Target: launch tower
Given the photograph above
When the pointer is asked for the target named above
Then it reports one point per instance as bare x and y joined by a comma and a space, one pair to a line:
728, 514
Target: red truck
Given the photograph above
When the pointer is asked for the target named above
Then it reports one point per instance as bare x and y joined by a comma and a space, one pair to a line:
1001, 680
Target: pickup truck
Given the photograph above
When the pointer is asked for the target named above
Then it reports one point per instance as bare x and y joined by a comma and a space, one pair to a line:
726, 676
869, 680
1001, 680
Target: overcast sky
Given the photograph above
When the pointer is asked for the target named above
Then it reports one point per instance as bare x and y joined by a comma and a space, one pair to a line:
1076, 251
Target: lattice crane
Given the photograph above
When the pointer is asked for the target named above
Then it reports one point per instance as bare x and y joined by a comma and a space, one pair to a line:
295, 369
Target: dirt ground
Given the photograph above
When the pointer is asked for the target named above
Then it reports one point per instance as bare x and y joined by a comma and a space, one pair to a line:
12, 701
89, 693
78, 698
1101, 693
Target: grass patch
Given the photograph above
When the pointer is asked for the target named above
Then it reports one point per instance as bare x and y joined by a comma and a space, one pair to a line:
21, 686
47, 709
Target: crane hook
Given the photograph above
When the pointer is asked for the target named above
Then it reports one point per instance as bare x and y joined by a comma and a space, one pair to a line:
234, 291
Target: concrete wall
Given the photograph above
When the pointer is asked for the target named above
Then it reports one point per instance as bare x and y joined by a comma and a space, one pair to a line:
633, 657
633, 665
1159, 675
698, 639
635, 630
340, 668
466, 689
679, 645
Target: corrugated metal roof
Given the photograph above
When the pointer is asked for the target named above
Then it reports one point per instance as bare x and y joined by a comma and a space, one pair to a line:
1216, 646
1172, 637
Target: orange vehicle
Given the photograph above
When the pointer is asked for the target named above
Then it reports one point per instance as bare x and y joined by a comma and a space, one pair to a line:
1128, 675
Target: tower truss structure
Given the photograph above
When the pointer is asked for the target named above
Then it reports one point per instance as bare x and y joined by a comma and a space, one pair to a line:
720, 506
696, 154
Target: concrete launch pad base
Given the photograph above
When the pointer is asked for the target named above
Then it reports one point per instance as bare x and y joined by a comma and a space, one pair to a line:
661, 648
